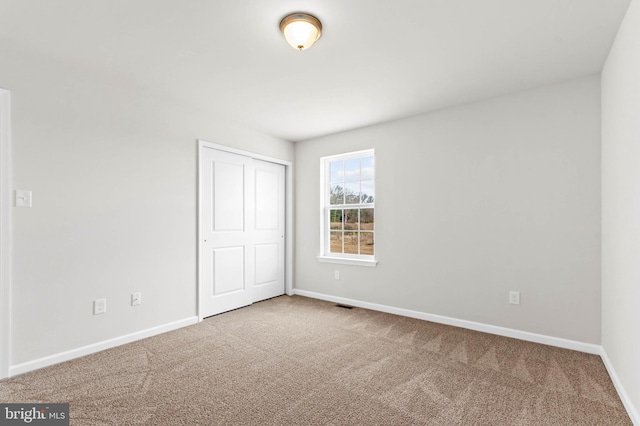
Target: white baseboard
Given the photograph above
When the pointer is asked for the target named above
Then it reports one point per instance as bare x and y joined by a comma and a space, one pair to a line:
97, 347
626, 401
471, 325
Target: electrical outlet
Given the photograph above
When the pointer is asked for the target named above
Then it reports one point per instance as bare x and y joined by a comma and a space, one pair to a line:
336, 275
136, 299
99, 306
514, 297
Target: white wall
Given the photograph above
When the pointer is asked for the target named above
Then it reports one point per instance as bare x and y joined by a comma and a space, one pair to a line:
113, 170
621, 205
472, 202
5, 230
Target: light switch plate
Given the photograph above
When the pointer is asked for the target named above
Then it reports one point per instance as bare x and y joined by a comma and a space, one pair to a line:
23, 198
136, 299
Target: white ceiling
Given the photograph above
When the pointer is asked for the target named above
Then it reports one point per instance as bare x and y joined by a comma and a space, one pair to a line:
376, 61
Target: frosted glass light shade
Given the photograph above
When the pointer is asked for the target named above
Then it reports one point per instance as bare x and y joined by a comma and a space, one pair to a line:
301, 30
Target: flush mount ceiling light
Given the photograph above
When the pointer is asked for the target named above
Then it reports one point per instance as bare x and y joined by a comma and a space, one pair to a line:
301, 30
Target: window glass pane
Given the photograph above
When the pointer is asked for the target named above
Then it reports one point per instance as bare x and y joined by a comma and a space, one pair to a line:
336, 242
349, 223
366, 243
366, 220
351, 242
337, 195
352, 169
367, 168
368, 192
336, 171
335, 219
352, 193
351, 220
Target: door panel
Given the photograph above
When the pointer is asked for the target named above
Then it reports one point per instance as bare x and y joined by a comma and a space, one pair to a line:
242, 208
266, 256
228, 270
267, 200
228, 196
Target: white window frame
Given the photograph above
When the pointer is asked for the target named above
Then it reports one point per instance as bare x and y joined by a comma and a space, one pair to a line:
325, 206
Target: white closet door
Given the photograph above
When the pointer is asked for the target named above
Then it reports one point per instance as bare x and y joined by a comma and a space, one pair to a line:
268, 230
242, 221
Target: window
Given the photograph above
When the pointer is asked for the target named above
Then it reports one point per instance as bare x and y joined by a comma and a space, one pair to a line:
348, 208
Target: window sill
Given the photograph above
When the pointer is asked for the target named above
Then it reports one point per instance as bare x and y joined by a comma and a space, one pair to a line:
346, 261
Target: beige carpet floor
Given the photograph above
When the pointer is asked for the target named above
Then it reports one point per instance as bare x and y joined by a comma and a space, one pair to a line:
299, 361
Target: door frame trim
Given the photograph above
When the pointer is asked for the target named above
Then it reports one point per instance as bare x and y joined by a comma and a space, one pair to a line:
288, 215
5, 232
